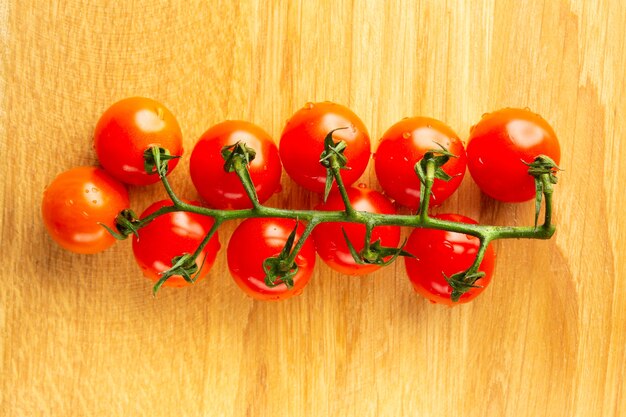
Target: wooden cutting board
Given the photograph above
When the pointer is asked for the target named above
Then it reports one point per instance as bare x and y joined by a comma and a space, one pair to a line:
82, 335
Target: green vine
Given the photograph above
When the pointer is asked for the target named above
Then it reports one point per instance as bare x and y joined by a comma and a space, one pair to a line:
283, 267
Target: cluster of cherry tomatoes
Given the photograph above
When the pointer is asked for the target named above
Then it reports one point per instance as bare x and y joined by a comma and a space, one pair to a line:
79, 201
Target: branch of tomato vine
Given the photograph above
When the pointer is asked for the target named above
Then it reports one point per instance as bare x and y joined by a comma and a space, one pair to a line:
281, 268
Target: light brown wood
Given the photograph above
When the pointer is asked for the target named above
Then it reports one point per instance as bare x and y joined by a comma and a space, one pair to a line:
82, 335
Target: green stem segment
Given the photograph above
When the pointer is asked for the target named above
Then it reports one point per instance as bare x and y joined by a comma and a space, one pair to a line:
238, 157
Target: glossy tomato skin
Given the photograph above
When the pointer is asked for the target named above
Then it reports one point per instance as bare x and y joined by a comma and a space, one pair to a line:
221, 189
129, 127
76, 201
302, 143
498, 146
256, 239
330, 241
171, 235
403, 145
439, 252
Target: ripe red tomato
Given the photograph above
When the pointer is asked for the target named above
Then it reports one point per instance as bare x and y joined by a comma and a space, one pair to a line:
127, 129
438, 252
256, 239
76, 202
498, 146
403, 145
330, 241
221, 189
171, 235
302, 143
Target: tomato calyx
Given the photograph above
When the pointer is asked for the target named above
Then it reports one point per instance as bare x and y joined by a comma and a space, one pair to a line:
155, 160
184, 265
375, 253
462, 282
126, 223
231, 153
544, 170
429, 168
333, 159
282, 268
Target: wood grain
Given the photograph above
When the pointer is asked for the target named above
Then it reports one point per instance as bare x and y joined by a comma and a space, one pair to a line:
82, 336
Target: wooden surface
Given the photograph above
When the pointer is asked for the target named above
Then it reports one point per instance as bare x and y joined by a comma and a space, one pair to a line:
82, 336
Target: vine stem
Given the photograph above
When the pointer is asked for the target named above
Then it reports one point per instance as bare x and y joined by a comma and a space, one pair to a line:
485, 233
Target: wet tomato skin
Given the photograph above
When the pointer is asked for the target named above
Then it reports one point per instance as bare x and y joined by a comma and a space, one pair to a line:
256, 239
330, 241
403, 145
171, 235
221, 189
499, 146
439, 252
76, 202
302, 143
129, 127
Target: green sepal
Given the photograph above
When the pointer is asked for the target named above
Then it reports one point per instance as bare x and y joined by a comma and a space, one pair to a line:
332, 148
462, 282
155, 160
376, 253
125, 224
276, 268
539, 168
440, 157
230, 152
184, 265
355, 255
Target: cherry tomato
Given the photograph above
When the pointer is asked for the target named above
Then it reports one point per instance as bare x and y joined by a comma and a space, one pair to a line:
330, 241
438, 252
500, 144
171, 235
256, 239
302, 143
403, 145
127, 129
221, 189
76, 202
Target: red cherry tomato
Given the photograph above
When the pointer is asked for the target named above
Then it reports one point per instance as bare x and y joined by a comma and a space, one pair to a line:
302, 143
76, 202
221, 189
171, 235
330, 241
498, 146
438, 252
403, 145
127, 129
257, 239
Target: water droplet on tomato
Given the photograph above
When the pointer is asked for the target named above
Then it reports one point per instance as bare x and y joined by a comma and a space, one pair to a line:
94, 190
429, 127
480, 161
94, 201
448, 245
84, 213
86, 191
352, 128
308, 105
70, 202
406, 135
362, 185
